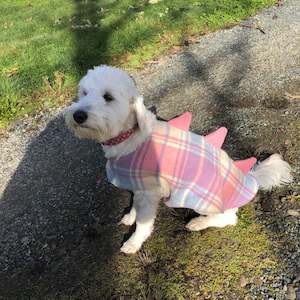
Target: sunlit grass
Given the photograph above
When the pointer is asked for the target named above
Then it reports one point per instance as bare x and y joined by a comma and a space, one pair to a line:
40, 38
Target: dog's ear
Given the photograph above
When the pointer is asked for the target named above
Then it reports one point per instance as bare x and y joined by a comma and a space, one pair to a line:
143, 116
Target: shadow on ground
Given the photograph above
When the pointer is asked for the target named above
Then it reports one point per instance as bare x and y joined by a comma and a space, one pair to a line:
58, 217
91, 43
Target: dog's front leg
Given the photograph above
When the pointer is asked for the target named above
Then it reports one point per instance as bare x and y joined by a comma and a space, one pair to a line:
145, 204
129, 218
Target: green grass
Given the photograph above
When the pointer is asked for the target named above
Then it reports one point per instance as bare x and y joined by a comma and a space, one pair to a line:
45, 46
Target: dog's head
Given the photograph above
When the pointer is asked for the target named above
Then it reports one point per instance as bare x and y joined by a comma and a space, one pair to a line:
106, 105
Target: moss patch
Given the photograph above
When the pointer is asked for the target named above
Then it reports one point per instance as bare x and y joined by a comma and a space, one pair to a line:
176, 264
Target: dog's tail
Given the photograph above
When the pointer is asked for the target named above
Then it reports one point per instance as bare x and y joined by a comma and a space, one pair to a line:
271, 172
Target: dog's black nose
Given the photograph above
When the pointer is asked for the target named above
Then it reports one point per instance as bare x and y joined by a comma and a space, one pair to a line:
80, 116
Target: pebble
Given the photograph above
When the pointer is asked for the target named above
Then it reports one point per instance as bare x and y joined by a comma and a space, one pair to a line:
294, 213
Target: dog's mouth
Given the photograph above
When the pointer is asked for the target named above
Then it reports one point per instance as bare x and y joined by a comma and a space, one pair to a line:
89, 131
86, 128
91, 128
76, 125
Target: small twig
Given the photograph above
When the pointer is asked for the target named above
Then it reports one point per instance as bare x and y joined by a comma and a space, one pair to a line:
145, 258
253, 26
292, 97
47, 83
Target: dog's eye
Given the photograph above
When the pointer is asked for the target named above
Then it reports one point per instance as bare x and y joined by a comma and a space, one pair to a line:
84, 92
108, 97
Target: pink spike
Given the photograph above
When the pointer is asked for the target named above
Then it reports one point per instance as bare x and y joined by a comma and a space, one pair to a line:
217, 137
182, 122
246, 164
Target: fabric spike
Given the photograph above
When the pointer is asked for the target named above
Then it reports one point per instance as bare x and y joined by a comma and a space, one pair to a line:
245, 165
182, 122
217, 137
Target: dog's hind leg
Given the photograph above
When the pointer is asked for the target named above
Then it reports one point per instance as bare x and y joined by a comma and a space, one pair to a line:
145, 204
229, 217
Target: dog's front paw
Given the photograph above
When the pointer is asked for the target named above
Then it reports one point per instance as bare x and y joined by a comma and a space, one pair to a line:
129, 247
197, 224
128, 219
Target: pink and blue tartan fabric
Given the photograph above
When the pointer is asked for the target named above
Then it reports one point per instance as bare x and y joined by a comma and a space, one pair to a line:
202, 177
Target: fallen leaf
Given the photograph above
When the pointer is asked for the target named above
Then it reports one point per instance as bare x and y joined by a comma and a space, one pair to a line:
154, 1
294, 213
291, 292
59, 79
279, 3
12, 71
255, 25
243, 281
292, 97
47, 83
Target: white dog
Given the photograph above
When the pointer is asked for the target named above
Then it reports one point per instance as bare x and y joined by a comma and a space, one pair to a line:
110, 110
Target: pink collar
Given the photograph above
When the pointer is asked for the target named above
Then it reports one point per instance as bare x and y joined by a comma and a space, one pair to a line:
120, 138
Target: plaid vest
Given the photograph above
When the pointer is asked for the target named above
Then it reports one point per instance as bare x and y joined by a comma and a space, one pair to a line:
201, 176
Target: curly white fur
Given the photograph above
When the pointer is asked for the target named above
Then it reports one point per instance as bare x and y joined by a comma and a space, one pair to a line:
273, 171
125, 108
